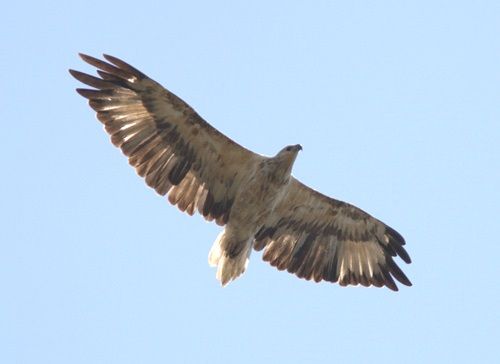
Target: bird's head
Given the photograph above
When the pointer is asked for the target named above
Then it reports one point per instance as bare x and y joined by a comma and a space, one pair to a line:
288, 154
290, 150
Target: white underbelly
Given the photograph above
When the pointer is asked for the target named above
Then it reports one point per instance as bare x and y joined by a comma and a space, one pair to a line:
254, 205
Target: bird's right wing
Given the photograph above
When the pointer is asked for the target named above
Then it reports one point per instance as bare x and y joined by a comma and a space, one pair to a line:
167, 142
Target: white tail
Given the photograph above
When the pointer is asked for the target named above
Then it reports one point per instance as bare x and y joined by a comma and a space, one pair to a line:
228, 268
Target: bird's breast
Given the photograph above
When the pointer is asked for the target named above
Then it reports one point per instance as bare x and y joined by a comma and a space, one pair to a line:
257, 200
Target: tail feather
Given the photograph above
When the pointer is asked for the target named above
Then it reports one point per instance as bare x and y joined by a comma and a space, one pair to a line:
216, 251
228, 267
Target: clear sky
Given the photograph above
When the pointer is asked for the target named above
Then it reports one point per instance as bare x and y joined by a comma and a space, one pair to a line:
396, 104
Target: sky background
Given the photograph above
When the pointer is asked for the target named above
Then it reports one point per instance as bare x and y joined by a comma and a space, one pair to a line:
396, 104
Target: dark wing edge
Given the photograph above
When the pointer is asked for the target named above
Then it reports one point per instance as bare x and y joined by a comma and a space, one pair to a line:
316, 237
165, 140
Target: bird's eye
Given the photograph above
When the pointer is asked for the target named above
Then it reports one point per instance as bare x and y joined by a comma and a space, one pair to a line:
288, 149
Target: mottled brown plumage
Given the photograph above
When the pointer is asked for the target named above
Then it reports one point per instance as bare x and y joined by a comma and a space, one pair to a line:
255, 197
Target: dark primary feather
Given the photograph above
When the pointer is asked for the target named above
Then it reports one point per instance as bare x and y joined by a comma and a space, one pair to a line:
168, 143
317, 237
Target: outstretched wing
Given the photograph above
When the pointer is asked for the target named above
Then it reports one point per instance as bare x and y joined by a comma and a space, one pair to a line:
317, 237
167, 142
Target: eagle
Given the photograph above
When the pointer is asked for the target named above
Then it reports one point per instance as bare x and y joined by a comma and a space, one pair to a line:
256, 198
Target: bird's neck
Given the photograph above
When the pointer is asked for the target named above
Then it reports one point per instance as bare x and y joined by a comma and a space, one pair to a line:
279, 169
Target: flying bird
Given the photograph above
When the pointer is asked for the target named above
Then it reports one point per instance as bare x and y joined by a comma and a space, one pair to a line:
257, 200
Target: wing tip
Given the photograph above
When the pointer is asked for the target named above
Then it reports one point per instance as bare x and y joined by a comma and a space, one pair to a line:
112, 59
395, 235
124, 65
80, 76
87, 93
395, 271
396, 242
393, 288
87, 58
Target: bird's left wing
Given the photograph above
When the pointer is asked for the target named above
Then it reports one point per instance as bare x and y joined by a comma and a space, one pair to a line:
168, 143
317, 237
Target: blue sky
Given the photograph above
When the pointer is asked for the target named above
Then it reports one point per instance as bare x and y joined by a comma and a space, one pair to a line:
396, 106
